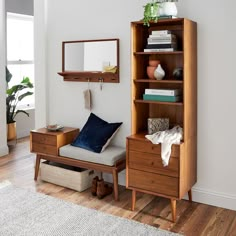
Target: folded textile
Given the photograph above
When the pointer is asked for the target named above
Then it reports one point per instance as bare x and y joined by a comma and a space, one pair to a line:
166, 138
87, 99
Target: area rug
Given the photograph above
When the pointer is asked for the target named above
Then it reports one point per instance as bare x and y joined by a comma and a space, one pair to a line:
26, 213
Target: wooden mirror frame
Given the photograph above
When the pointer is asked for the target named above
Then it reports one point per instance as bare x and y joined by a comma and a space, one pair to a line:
91, 76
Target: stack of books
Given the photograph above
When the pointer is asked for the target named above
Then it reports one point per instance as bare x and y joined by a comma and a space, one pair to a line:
163, 95
161, 41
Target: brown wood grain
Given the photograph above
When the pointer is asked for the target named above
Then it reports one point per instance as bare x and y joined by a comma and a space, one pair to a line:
142, 154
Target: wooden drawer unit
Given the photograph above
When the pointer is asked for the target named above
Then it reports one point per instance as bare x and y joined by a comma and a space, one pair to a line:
147, 146
154, 183
44, 139
44, 142
153, 163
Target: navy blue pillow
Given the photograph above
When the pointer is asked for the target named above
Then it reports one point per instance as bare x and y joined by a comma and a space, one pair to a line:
96, 134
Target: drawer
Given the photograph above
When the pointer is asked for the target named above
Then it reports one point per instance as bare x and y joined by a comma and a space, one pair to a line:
147, 146
43, 148
154, 183
153, 163
44, 139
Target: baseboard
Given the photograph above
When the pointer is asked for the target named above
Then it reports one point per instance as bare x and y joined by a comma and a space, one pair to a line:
23, 133
213, 198
4, 150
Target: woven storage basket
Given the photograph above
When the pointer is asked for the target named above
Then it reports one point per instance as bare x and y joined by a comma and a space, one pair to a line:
67, 176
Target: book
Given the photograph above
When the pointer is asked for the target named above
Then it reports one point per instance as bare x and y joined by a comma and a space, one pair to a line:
161, 98
158, 49
161, 32
159, 37
166, 92
162, 45
167, 17
151, 41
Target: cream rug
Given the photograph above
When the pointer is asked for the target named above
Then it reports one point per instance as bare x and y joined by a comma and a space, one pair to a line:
27, 213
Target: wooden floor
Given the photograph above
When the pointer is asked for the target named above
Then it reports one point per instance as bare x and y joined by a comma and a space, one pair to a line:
192, 218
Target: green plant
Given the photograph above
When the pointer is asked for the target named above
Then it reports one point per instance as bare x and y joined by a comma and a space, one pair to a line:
15, 94
150, 12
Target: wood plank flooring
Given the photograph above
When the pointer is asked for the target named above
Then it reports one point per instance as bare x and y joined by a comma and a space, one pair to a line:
193, 219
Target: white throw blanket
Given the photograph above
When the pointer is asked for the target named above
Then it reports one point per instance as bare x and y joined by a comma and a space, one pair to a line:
166, 138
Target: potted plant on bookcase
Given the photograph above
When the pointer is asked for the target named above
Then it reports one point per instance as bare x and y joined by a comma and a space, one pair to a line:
150, 12
160, 8
14, 95
168, 8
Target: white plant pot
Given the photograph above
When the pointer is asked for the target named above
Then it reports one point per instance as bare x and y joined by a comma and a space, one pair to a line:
168, 9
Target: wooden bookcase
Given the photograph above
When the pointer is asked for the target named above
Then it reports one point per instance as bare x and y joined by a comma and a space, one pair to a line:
145, 172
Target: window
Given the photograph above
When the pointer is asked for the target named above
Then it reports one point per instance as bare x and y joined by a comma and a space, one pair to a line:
20, 51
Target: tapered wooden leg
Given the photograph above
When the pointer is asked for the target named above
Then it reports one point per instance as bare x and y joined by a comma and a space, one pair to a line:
37, 164
190, 195
115, 184
133, 200
173, 209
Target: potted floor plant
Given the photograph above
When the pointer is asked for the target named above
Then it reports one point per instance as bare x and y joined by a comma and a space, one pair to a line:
15, 94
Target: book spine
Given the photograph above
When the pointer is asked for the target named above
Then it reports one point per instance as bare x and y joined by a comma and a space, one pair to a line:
167, 36
162, 92
158, 49
161, 98
168, 41
164, 45
167, 17
161, 32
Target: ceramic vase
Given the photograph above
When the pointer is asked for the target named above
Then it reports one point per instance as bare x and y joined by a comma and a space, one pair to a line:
168, 9
159, 73
151, 68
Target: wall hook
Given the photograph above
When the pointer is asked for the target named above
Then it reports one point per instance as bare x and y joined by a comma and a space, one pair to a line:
101, 83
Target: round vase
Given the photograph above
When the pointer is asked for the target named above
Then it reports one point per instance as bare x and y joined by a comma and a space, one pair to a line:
154, 62
150, 71
159, 73
168, 9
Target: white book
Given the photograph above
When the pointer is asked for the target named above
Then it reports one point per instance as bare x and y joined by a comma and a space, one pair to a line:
163, 42
165, 92
159, 37
158, 49
161, 32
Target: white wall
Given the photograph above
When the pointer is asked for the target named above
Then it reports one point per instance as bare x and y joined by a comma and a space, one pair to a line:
76, 20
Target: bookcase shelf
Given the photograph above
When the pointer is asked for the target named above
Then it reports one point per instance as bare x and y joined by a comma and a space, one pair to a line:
158, 53
158, 102
145, 172
158, 81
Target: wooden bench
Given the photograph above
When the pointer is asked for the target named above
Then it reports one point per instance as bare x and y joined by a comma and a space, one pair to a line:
54, 146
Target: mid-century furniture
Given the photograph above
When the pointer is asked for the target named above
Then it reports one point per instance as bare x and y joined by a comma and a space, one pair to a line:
145, 171
83, 60
55, 146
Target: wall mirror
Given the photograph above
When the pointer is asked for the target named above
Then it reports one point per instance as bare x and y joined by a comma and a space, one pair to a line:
91, 60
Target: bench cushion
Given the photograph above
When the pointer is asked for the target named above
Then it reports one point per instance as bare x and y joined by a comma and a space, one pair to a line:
108, 157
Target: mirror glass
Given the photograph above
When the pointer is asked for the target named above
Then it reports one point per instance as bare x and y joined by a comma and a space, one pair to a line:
90, 55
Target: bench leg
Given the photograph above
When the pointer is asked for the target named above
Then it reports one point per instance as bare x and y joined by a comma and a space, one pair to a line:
115, 184
37, 164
